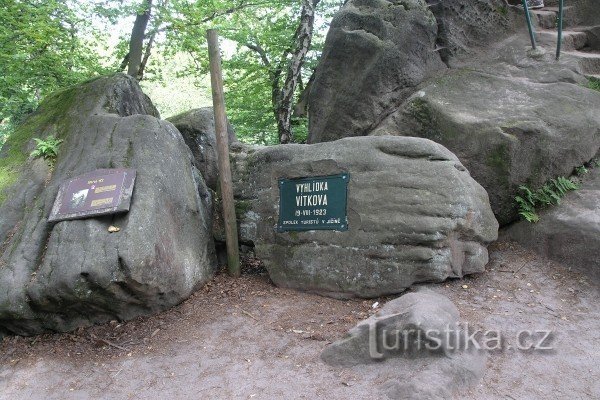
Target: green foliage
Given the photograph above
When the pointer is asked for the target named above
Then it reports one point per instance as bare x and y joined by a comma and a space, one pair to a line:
50, 113
51, 44
257, 38
581, 170
530, 201
526, 206
47, 149
177, 94
594, 83
44, 45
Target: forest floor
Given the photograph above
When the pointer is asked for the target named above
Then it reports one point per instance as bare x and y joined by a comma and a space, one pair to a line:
246, 339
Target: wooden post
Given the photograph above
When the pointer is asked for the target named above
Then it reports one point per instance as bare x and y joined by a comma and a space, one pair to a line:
216, 78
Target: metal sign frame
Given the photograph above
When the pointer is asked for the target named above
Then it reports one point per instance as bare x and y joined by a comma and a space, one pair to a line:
313, 203
100, 192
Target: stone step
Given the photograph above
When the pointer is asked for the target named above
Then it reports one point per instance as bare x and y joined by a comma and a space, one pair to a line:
589, 62
593, 35
571, 40
545, 19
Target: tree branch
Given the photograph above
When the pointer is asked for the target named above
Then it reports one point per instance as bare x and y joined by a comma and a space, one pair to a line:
261, 52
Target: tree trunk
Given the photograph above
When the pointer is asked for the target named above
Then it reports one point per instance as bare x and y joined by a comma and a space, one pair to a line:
144, 62
303, 39
301, 107
136, 43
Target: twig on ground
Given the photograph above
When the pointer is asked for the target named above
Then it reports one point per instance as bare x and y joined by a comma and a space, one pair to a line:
250, 315
110, 343
522, 266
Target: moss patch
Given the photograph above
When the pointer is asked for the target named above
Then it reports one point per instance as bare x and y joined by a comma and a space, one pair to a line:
419, 110
241, 208
52, 112
129, 154
499, 160
594, 83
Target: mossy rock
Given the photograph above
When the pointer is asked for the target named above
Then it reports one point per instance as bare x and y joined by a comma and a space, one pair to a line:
58, 277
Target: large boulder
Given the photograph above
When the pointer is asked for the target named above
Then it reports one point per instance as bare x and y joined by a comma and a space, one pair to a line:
418, 340
197, 127
414, 214
570, 232
56, 277
509, 127
375, 54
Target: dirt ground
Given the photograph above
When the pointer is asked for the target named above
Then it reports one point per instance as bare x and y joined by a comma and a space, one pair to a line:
246, 339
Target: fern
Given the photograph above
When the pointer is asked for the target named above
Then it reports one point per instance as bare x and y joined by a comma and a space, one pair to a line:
47, 149
527, 209
550, 193
566, 184
581, 170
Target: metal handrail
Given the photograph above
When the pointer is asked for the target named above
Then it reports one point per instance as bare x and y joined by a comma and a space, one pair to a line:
529, 25
560, 27
559, 23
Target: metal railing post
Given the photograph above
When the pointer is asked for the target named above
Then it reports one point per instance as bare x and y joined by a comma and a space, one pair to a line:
529, 26
560, 27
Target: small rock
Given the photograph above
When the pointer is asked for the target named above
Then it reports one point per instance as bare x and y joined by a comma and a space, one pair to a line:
113, 229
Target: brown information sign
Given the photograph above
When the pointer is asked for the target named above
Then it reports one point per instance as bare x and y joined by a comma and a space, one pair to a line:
100, 192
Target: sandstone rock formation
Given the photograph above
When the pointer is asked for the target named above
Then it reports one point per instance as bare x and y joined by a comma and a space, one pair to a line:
509, 127
376, 52
414, 214
197, 127
56, 277
511, 116
570, 232
420, 329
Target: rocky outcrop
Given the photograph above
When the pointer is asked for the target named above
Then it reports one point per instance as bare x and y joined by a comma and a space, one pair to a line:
375, 54
509, 127
414, 214
570, 232
513, 117
197, 127
467, 25
421, 327
56, 277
